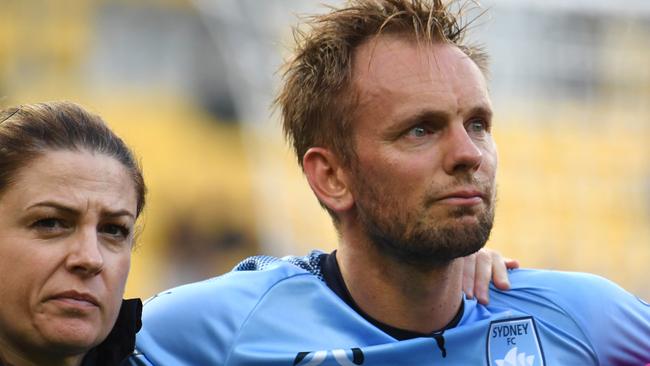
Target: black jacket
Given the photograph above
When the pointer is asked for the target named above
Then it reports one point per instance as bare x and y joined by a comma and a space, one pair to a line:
121, 340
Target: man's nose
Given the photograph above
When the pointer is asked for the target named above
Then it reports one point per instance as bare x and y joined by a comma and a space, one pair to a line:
85, 257
461, 152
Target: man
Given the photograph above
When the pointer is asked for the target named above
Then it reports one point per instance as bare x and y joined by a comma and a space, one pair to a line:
390, 117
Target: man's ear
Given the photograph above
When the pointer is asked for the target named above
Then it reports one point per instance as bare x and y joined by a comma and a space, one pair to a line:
327, 179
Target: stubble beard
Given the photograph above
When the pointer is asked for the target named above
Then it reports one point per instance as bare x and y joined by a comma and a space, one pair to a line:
412, 236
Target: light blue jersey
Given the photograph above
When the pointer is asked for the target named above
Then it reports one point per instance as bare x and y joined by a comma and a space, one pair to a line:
280, 312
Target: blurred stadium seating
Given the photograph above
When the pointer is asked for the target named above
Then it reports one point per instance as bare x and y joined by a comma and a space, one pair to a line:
188, 84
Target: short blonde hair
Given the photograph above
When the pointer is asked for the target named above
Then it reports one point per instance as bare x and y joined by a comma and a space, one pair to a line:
316, 99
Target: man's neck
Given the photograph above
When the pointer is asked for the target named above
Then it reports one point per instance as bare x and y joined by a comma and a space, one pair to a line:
399, 294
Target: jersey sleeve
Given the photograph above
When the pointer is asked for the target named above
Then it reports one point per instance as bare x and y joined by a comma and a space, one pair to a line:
615, 323
196, 324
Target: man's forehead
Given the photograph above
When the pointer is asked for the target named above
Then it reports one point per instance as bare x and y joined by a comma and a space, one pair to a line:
387, 57
418, 74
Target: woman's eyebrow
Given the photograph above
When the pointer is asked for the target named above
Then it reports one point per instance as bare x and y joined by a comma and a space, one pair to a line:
55, 205
70, 210
118, 213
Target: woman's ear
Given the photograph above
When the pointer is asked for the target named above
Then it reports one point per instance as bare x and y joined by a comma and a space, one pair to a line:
327, 179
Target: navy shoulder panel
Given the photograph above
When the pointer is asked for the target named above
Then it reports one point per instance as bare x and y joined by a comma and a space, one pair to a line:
310, 263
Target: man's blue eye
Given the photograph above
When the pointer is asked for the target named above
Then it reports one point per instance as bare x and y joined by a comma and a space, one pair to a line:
477, 126
418, 131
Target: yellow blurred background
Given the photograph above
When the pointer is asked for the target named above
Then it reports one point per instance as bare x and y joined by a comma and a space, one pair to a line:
188, 84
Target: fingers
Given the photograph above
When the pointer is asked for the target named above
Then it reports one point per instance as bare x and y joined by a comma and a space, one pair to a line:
511, 263
469, 267
482, 267
484, 272
500, 268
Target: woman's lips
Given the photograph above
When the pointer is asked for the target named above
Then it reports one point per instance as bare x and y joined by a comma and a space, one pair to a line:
75, 299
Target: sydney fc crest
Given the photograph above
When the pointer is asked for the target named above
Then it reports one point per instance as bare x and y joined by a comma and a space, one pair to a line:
514, 342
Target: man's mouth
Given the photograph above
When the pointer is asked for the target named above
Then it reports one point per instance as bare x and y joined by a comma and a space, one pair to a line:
462, 197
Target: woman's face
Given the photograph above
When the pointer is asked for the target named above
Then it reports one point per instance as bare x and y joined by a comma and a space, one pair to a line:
66, 232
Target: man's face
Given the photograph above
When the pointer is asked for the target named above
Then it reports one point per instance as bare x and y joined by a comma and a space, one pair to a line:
424, 177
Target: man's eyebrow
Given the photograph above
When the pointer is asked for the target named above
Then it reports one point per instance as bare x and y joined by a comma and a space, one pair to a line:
481, 110
73, 211
425, 115
428, 116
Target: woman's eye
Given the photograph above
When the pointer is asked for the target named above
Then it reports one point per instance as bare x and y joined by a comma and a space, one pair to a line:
49, 223
116, 230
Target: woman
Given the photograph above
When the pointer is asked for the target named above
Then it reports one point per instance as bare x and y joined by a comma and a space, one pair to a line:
70, 194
